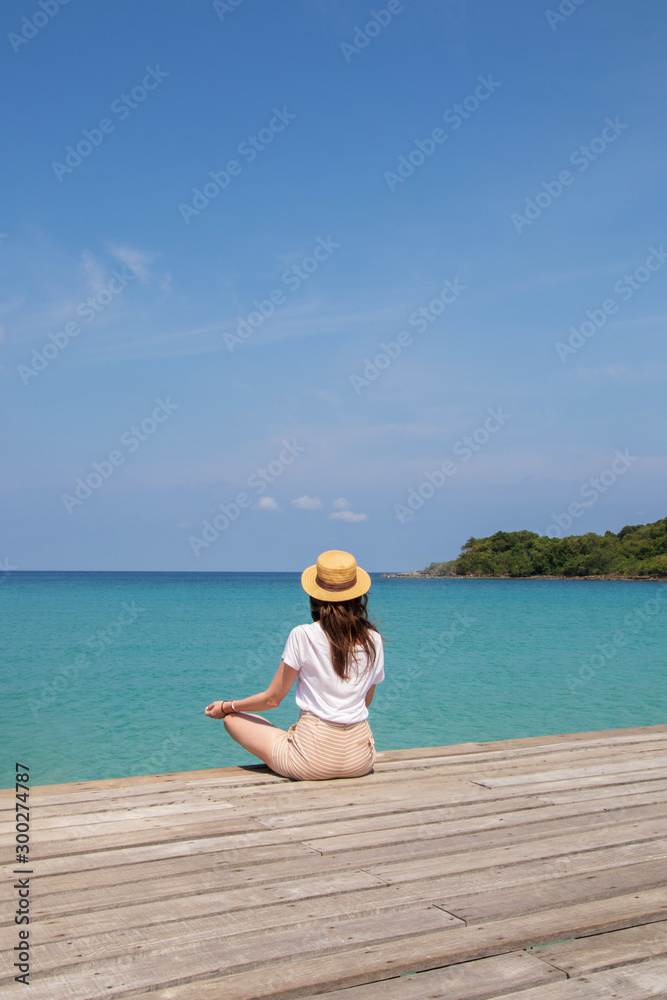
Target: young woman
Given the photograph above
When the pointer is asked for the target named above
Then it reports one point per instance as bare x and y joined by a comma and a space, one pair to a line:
336, 662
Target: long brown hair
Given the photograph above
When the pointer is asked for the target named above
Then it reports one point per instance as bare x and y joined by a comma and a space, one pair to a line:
346, 625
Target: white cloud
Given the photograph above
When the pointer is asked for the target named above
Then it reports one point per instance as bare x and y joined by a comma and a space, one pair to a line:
307, 503
136, 260
347, 515
267, 503
341, 502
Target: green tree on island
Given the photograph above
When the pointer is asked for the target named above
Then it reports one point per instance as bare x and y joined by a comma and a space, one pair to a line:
638, 550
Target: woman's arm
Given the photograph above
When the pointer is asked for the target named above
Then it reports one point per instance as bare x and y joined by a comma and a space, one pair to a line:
271, 698
369, 695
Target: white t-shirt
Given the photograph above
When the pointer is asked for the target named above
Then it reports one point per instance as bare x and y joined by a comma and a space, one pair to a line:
319, 689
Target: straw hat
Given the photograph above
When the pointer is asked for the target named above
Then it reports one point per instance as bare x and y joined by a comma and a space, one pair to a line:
335, 577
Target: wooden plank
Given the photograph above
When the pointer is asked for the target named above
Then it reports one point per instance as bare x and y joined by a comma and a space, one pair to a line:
169, 974
623, 985
155, 860
483, 815
265, 799
54, 817
97, 791
538, 822
643, 734
179, 810
613, 735
119, 854
546, 892
360, 905
520, 759
427, 858
441, 864
126, 857
233, 783
606, 986
654, 786
125, 828
466, 981
307, 795
432, 799
388, 864
568, 766
502, 876
430, 791
164, 778
132, 831
537, 777
646, 981
212, 865
158, 835
374, 787
268, 905
235, 936
602, 951
334, 893
616, 783
383, 811
235, 812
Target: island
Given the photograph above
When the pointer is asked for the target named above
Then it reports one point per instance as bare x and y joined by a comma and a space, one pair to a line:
637, 552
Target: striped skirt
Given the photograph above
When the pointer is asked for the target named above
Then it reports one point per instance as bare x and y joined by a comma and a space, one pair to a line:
314, 749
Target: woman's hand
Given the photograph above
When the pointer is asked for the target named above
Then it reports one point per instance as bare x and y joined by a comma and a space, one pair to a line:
214, 710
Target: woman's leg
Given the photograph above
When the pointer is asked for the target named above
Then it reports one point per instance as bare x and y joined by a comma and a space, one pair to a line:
254, 733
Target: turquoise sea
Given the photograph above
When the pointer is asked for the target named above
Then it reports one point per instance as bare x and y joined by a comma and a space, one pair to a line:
107, 674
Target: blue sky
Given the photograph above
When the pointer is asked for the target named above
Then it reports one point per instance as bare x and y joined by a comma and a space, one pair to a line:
465, 183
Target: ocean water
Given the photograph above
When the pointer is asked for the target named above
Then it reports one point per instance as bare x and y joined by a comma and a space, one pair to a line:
108, 674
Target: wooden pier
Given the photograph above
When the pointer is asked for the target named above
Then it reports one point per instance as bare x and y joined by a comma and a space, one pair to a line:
532, 869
